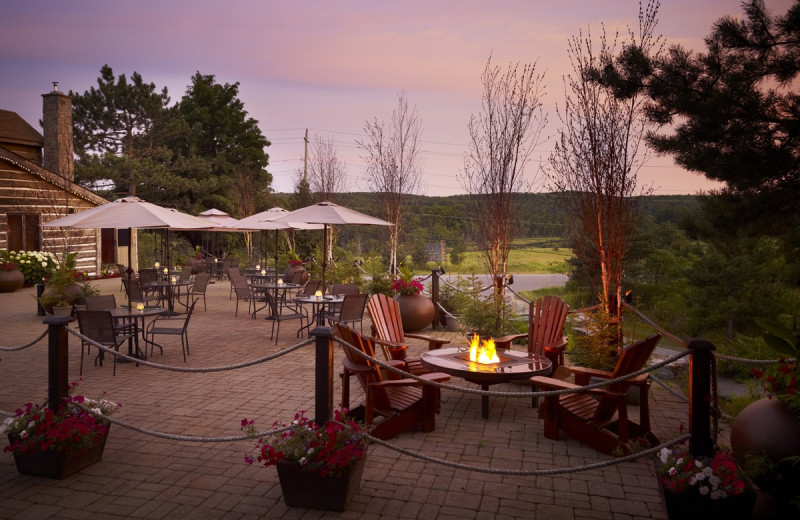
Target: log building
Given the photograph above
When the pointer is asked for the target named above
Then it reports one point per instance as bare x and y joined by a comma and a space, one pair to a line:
37, 185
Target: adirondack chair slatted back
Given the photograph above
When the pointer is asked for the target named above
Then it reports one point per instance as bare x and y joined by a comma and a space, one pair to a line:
631, 359
385, 315
365, 378
547, 317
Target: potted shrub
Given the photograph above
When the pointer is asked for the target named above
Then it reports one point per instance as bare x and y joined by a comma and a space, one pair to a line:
65, 283
56, 444
702, 487
416, 310
319, 466
35, 265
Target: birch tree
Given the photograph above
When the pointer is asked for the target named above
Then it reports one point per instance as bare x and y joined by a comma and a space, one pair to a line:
394, 165
597, 156
502, 138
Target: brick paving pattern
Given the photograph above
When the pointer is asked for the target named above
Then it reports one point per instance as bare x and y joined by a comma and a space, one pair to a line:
145, 477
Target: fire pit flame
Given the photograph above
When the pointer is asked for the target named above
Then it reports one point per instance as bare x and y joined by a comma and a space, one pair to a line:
482, 351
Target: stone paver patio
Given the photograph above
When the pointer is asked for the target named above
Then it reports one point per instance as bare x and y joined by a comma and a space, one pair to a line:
141, 476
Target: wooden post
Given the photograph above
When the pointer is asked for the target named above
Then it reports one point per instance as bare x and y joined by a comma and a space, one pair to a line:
57, 360
323, 378
701, 443
438, 318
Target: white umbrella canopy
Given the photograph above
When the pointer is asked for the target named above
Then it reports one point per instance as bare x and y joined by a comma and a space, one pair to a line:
223, 220
328, 213
129, 213
265, 221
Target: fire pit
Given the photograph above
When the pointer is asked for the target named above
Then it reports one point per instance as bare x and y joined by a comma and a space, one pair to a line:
482, 364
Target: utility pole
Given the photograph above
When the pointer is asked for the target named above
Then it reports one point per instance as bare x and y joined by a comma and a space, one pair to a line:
305, 159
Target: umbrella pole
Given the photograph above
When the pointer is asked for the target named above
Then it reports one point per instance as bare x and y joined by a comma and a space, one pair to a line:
130, 264
325, 254
276, 252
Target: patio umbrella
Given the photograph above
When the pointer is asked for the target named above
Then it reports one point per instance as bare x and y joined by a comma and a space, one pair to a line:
266, 221
328, 213
129, 213
223, 222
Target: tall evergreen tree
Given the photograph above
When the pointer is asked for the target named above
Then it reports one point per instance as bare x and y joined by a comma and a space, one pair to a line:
733, 111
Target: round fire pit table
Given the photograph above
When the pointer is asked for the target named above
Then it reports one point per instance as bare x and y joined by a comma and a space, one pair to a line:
513, 365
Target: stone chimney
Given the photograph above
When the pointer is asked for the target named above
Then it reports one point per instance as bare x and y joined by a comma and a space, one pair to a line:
57, 123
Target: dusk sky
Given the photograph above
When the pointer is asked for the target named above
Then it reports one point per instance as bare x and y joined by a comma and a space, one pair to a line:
330, 66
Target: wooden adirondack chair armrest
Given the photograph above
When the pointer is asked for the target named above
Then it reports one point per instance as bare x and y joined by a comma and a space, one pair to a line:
558, 346
352, 367
582, 374
433, 342
439, 377
394, 382
390, 344
548, 383
505, 341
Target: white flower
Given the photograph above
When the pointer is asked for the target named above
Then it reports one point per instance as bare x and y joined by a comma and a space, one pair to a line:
672, 472
310, 451
303, 461
699, 476
31, 424
708, 471
698, 463
664, 455
714, 481
716, 495
692, 480
23, 434
703, 490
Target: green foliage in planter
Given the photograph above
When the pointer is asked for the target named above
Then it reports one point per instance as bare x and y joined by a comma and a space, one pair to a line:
482, 312
59, 284
594, 348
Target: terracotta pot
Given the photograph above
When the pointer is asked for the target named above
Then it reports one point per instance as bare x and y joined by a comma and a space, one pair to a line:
416, 311
11, 280
59, 464
72, 294
303, 488
766, 426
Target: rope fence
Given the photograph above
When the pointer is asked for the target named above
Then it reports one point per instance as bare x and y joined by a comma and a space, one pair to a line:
715, 411
173, 368
26, 345
530, 472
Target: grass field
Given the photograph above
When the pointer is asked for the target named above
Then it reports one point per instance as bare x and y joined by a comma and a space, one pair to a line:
527, 256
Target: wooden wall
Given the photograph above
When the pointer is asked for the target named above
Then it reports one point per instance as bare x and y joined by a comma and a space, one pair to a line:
23, 192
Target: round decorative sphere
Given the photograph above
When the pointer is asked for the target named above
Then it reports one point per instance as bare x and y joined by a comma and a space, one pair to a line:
416, 311
11, 280
766, 426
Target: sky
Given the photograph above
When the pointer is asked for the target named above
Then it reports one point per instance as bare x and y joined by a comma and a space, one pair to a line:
331, 66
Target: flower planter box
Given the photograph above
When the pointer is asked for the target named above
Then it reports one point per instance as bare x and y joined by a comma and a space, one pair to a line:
308, 489
691, 504
59, 464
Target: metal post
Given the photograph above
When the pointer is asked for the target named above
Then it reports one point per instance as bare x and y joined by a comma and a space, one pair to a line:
701, 443
57, 360
39, 308
438, 318
323, 376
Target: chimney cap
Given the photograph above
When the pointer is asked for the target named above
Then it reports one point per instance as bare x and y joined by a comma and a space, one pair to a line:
55, 86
